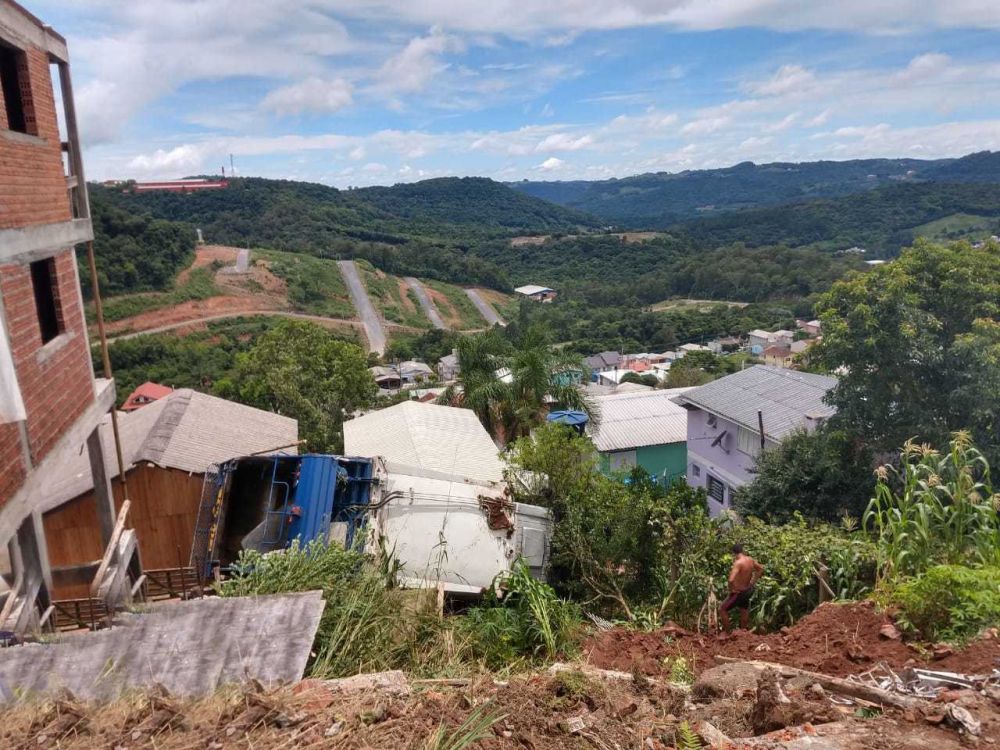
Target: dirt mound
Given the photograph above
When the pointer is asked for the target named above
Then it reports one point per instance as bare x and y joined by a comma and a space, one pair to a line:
835, 639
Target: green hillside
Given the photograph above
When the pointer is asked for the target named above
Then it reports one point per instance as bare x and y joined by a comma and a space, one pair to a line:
660, 199
882, 220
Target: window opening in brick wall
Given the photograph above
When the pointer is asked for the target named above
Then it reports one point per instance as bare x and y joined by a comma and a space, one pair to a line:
43, 281
16, 91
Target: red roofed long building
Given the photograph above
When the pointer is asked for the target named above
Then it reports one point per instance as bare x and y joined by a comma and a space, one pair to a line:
180, 186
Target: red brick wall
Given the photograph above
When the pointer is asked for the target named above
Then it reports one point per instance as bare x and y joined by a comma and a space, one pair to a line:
59, 388
32, 179
11, 464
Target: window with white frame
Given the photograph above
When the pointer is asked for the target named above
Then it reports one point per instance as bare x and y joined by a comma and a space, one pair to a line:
748, 441
695, 470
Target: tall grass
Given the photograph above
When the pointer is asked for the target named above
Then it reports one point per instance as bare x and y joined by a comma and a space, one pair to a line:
356, 630
935, 509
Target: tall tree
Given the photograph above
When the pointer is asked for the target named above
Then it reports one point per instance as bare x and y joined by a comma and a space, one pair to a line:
912, 341
512, 385
303, 371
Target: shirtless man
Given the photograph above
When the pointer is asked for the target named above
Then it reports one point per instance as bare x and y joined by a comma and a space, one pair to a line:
742, 578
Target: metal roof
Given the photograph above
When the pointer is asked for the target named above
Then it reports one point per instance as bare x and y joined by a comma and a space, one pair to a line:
787, 399
184, 430
443, 439
634, 420
530, 289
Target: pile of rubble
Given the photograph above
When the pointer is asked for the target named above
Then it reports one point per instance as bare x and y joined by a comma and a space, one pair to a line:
737, 705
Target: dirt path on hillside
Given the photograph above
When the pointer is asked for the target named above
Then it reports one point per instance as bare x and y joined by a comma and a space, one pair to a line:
425, 302
484, 307
366, 311
188, 326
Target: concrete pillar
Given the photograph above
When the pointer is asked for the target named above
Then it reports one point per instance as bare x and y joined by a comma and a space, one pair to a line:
105, 499
34, 554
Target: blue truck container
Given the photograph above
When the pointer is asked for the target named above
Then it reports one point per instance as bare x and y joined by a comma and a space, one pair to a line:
267, 502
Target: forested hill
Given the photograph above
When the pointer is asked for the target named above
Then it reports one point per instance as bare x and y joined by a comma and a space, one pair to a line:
657, 200
290, 215
883, 220
144, 239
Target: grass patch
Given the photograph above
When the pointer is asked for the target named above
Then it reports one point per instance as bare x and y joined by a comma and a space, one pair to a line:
958, 226
464, 311
315, 285
200, 284
384, 292
368, 625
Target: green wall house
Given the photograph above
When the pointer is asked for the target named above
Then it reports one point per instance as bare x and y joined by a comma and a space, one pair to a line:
645, 429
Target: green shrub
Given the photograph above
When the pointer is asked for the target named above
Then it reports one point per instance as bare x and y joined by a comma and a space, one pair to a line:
527, 622
950, 602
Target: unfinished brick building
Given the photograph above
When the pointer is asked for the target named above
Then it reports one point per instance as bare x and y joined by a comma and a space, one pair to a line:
50, 401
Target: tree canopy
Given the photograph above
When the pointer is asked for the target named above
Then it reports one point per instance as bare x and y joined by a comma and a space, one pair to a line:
915, 343
303, 371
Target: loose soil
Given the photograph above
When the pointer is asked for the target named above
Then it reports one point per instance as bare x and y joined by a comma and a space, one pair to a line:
191, 311
205, 255
404, 297
444, 307
835, 639
569, 709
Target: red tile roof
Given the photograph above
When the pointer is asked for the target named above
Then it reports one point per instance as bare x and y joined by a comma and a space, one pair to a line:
145, 394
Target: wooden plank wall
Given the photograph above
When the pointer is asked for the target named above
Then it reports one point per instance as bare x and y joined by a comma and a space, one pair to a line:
164, 512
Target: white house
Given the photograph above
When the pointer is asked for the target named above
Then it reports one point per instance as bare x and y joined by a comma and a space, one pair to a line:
537, 293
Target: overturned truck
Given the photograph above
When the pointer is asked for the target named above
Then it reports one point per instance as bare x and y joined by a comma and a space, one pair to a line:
444, 530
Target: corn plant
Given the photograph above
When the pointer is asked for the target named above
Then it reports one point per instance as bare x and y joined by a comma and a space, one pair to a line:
476, 727
935, 509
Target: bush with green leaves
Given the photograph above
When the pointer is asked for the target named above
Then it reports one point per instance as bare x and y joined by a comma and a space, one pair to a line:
937, 508
824, 475
950, 602
525, 622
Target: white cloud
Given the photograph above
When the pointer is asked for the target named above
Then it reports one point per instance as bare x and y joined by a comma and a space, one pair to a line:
143, 51
314, 94
563, 142
551, 164
818, 120
178, 160
357, 153
783, 124
788, 79
705, 125
543, 17
414, 66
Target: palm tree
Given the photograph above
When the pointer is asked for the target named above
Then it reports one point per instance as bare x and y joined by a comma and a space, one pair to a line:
512, 386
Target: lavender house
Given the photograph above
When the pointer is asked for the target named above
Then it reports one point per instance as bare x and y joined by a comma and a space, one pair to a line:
724, 423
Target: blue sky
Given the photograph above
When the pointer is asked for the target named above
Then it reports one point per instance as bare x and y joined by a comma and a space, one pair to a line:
359, 92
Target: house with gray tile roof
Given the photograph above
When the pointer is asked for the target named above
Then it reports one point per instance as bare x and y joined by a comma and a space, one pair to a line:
732, 419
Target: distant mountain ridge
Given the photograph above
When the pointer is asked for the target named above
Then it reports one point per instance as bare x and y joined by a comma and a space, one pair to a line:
657, 200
